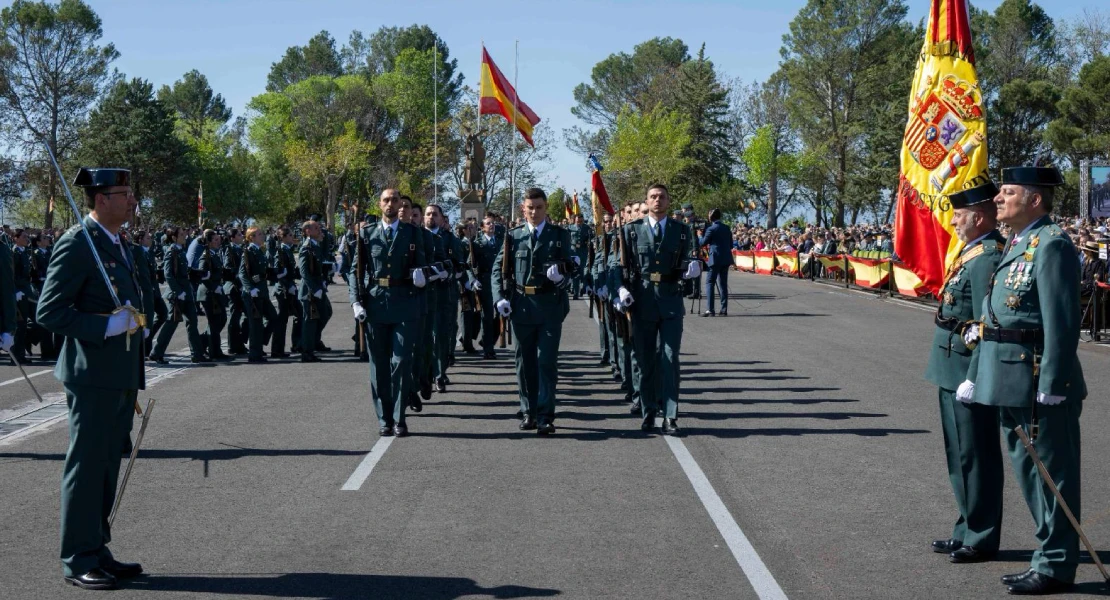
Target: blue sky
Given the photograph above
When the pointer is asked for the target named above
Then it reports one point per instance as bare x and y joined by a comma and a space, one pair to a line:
234, 42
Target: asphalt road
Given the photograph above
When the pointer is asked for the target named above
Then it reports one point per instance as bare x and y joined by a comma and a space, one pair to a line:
804, 411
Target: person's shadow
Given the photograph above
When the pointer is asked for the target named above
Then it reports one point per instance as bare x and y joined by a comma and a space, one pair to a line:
331, 586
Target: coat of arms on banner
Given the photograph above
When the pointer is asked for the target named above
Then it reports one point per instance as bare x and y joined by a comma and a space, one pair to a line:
941, 119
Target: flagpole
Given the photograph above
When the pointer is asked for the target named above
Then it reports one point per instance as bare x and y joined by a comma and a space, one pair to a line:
512, 132
478, 111
435, 118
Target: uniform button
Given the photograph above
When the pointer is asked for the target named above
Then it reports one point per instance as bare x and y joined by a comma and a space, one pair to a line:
1022, 356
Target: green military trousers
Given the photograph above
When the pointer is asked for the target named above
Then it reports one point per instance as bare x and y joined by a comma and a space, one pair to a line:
189, 314
974, 456
537, 367
1058, 447
391, 365
312, 329
655, 350
99, 427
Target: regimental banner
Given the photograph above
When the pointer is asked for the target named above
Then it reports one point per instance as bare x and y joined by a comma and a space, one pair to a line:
944, 149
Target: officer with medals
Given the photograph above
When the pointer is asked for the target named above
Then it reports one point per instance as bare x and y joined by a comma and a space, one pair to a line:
447, 296
534, 296
315, 306
597, 270
101, 369
657, 254
394, 253
1027, 365
970, 429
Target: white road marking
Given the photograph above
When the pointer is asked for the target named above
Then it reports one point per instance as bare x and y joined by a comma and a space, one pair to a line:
757, 573
355, 481
29, 375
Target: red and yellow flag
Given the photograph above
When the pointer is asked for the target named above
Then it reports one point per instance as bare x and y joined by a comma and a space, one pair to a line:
497, 97
944, 149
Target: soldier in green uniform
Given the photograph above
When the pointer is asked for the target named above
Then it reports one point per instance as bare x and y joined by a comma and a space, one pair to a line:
210, 294
179, 295
580, 236
534, 297
315, 306
1027, 364
144, 273
485, 247
101, 369
25, 297
597, 269
447, 317
469, 300
394, 253
626, 369
659, 252
144, 242
256, 295
7, 300
233, 289
425, 362
970, 430
286, 273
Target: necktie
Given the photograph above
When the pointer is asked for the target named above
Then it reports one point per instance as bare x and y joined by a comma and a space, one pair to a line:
123, 253
657, 232
388, 235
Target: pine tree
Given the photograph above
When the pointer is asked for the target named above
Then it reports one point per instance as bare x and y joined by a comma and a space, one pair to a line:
704, 101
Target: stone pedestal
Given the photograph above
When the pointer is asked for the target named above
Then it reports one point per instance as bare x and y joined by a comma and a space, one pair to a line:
473, 204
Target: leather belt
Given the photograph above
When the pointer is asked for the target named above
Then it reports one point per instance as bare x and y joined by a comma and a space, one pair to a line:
1012, 336
532, 290
387, 282
949, 324
656, 277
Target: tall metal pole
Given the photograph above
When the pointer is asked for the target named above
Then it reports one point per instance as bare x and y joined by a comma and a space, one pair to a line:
435, 118
512, 134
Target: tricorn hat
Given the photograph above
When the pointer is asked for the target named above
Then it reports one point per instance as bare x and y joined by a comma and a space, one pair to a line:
976, 195
101, 177
1039, 176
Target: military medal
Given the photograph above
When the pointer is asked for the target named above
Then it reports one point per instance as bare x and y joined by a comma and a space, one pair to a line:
1012, 302
956, 277
949, 299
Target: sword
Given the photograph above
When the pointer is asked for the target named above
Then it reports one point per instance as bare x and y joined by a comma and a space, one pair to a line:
131, 460
1025, 441
25, 377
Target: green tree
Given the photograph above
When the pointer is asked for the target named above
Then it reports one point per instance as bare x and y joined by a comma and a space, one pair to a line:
646, 148
131, 129
1082, 131
200, 111
704, 101
318, 57
379, 53
52, 69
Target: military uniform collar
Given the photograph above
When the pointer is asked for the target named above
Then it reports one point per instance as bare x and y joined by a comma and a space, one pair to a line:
532, 228
972, 243
394, 225
114, 238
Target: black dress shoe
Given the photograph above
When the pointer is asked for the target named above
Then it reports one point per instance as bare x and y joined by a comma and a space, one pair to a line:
670, 427
385, 430
527, 423
446, 380
1016, 577
122, 570
311, 358
1037, 584
322, 348
261, 360
279, 355
946, 546
415, 405
707, 314
489, 355
546, 428
441, 386
159, 361
617, 376
96, 579
400, 431
634, 409
200, 360
970, 554
723, 313
426, 389
648, 424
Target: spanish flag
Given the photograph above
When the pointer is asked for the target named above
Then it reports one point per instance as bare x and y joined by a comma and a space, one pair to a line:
574, 206
944, 149
497, 97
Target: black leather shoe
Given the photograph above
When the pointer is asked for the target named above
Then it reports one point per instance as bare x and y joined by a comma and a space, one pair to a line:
385, 430
670, 427
426, 389
707, 314
441, 386
490, 355
200, 360
970, 554
527, 423
634, 409
279, 355
1037, 584
648, 424
261, 360
311, 358
159, 361
546, 428
400, 431
96, 579
723, 313
322, 348
617, 376
1016, 577
122, 570
446, 380
947, 546
415, 405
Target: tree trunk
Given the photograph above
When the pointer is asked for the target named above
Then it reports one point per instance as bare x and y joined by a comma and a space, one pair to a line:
333, 200
773, 197
48, 220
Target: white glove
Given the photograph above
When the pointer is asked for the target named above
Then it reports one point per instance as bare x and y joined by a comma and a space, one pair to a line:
282, 274
692, 271
603, 292
437, 274
477, 287
1048, 400
360, 312
625, 297
504, 308
181, 296
617, 305
577, 261
965, 391
219, 290
319, 294
18, 296
146, 333
6, 341
972, 334
254, 292
120, 322
418, 278
553, 274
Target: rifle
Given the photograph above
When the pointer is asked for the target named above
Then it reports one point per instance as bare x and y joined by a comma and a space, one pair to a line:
472, 261
590, 261
624, 326
507, 287
360, 272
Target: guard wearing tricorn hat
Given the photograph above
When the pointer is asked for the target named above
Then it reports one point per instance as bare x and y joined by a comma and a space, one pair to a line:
1027, 365
100, 367
970, 429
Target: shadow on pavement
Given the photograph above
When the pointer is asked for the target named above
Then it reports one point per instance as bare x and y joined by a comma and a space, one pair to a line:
231, 453
331, 586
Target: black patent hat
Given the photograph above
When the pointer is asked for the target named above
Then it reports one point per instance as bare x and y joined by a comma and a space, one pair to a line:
101, 177
976, 195
1038, 176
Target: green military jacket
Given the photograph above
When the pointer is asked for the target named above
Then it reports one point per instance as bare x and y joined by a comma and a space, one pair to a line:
286, 270
654, 259
310, 264
386, 290
176, 270
252, 272
580, 237
211, 276
76, 302
528, 260
961, 297
7, 290
148, 285
1036, 286
232, 259
24, 270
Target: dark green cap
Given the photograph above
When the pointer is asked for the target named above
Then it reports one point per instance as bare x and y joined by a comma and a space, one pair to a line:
976, 195
1039, 176
101, 177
